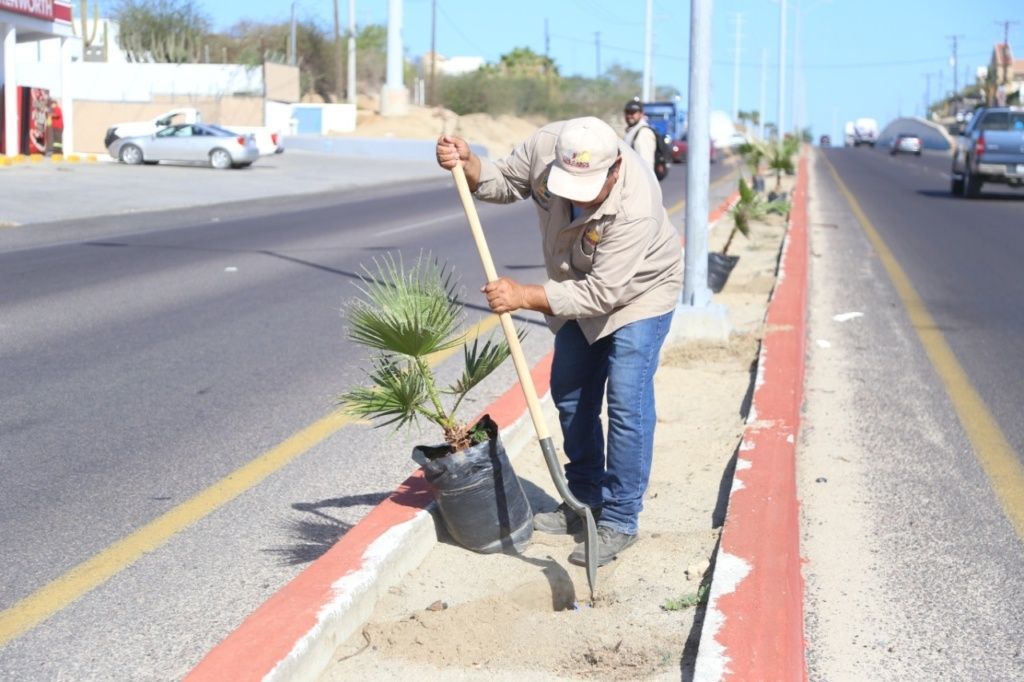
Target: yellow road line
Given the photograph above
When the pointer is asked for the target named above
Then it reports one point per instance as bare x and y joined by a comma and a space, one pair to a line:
679, 207
86, 576
998, 459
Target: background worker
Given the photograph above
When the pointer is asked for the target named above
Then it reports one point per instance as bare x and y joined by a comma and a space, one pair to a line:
640, 136
614, 275
56, 128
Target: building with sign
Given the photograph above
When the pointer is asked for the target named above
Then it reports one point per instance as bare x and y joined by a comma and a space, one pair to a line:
25, 106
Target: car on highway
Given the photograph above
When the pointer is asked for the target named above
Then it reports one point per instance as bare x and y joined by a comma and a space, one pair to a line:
905, 143
989, 149
679, 150
188, 142
824, 141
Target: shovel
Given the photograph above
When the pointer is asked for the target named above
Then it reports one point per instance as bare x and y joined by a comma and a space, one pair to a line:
529, 391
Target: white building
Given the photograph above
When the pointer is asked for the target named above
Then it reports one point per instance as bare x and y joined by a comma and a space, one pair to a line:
25, 25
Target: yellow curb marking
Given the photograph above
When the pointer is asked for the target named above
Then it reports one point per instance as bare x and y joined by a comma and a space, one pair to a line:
90, 574
1000, 462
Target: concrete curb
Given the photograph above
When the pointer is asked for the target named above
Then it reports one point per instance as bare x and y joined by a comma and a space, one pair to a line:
753, 624
294, 633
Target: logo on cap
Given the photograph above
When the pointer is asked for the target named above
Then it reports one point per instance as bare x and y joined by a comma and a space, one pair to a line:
577, 160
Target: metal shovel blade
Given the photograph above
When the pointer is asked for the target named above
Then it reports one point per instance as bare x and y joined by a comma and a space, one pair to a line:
590, 539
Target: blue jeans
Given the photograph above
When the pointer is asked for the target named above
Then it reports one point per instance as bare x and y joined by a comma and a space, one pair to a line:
625, 362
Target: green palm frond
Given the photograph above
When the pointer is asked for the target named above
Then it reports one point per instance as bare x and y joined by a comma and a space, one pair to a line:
397, 394
412, 312
480, 362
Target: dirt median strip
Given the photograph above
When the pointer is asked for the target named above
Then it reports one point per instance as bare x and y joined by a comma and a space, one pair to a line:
298, 631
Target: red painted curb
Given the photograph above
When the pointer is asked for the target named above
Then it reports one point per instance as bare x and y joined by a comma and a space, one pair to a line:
756, 607
272, 632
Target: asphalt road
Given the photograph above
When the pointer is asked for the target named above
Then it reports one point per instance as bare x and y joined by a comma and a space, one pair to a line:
147, 358
914, 570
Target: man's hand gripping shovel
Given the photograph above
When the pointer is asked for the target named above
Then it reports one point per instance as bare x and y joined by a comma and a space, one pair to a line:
529, 391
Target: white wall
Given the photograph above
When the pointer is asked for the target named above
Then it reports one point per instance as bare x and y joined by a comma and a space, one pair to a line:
143, 82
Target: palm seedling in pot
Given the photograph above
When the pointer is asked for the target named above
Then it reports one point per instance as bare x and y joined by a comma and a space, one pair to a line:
749, 208
406, 315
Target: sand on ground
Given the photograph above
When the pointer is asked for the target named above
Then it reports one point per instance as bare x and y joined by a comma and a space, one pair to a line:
465, 616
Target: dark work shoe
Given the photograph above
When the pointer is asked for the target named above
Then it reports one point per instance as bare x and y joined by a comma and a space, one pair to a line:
609, 543
562, 521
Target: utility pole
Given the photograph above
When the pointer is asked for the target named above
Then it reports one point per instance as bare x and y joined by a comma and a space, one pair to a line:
648, 52
927, 94
956, 89
547, 41
337, 51
761, 113
350, 80
1006, 50
291, 40
736, 67
781, 123
432, 97
597, 46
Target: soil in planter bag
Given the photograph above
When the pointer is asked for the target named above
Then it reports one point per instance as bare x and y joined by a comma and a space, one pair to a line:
479, 495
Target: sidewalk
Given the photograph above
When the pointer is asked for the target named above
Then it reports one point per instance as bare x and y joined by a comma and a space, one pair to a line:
395, 598
49, 191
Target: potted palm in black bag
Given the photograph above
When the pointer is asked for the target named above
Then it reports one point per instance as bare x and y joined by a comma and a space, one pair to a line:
406, 315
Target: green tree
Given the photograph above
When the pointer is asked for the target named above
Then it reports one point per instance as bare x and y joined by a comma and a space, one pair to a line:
172, 31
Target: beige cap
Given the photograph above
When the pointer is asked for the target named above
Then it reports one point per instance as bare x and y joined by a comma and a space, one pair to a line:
586, 148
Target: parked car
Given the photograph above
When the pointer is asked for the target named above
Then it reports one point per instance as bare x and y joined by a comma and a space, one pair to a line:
268, 141
906, 143
188, 142
824, 141
990, 148
679, 150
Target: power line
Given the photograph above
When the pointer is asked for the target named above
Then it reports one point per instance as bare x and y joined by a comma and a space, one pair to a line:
730, 62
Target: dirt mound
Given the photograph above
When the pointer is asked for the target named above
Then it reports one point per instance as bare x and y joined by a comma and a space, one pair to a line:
498, 133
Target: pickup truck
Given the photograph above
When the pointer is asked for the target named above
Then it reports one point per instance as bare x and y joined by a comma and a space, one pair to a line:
268, 141
989, 148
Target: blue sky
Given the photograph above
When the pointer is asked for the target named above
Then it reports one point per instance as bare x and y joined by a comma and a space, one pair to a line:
860, 57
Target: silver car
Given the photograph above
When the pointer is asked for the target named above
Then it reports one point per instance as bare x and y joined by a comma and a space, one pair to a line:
188, 142
910, 144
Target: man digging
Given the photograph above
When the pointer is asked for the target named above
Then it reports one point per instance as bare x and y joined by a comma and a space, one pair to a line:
614, 276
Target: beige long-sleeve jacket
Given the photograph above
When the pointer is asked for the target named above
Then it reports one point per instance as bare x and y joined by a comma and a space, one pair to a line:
617, 263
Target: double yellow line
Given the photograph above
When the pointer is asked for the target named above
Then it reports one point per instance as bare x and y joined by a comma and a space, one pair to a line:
998, 459
88, 575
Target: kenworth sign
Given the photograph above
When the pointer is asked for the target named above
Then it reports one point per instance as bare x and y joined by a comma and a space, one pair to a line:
33, 8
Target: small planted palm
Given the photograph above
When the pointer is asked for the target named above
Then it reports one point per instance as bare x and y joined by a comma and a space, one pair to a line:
780, 158
749, 208
406, 315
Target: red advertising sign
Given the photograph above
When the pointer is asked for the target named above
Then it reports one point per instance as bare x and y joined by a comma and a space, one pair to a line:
33, 8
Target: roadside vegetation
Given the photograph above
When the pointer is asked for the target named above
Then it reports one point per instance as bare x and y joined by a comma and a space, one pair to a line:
522, 82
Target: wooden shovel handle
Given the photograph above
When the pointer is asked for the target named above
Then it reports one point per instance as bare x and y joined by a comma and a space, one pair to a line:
518, 359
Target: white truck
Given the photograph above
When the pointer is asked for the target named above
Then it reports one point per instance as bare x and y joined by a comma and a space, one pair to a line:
865, 131
268, 141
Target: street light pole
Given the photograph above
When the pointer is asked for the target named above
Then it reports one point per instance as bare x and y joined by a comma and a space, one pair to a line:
780, 125
698, 155
648, 49
736, 68
351, 79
